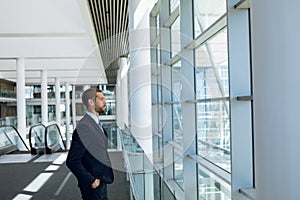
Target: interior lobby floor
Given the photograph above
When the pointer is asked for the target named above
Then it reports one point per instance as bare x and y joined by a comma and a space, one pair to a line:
24, 177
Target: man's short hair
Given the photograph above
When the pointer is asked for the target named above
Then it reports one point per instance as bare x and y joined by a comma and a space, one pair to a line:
89, 94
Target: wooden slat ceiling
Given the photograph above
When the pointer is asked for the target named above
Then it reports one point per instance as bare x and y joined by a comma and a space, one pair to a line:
110, 18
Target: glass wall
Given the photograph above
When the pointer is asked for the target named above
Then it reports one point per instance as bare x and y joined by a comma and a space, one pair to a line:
195, 116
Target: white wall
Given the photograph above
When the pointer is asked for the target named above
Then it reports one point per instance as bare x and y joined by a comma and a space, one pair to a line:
275, 50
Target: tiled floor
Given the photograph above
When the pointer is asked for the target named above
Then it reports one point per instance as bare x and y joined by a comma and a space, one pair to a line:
23, 176
16, 158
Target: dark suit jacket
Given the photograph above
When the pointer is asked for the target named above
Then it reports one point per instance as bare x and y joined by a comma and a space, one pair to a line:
88, 157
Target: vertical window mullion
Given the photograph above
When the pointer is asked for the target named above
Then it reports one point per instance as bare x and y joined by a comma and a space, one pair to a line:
240, 85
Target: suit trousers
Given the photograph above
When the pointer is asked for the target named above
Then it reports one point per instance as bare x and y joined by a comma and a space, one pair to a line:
99, 193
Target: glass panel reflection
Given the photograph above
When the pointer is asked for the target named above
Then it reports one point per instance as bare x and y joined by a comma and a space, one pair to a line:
211, 187
213, 124
173, 5
206, 12
212, 68
176, 97
175, 37
177, 124
176, 82
178, 168
214, 133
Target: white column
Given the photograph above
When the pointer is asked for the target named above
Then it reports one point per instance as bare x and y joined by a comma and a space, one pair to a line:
68, 120
73, 106
118, 100
57, 101
21, 103
122, 97
275, 50
44, 97
140, 83
122, 93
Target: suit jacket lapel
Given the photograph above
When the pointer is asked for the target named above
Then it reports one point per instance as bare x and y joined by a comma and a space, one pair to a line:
95, 125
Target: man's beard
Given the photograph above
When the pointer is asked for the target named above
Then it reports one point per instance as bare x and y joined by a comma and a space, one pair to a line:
101, 111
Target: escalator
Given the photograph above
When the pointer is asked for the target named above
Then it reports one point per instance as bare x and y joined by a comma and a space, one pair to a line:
37, 139
11, 141
44, 139
53, 139
41, 140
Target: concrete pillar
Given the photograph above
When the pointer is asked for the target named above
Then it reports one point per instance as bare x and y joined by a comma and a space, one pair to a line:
21, 103
57, 101
44, 97
68, 120
275, 50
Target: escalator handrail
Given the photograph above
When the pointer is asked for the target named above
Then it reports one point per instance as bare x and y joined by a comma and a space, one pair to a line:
30, 130
46, 133
17, 133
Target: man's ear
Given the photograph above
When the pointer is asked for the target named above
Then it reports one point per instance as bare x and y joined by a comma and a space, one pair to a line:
91, 102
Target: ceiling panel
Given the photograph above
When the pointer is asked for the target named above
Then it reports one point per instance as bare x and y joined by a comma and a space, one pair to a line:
56, 35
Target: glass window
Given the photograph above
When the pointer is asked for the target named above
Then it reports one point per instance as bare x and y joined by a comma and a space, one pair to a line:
157, 129
210, 187
157, 109
166, 192
212, 68
176, 82
213, 132
177, 124
173, 5
176, 97
156, 186
175, 37
206, 12
178, 168
213, 124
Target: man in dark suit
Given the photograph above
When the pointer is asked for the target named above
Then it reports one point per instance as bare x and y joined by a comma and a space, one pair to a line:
88, 158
